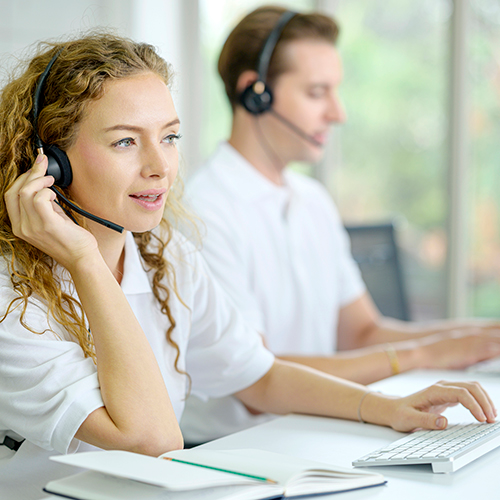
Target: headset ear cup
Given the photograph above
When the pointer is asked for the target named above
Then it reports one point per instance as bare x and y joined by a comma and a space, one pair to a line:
59, 166
256, 103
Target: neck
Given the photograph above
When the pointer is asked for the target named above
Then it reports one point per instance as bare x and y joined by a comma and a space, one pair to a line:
112, 247
248, 137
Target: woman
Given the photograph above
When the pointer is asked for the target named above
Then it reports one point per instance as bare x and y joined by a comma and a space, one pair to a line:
104, 333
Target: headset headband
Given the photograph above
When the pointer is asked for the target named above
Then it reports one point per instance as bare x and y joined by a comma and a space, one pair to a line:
37, 98
270, 43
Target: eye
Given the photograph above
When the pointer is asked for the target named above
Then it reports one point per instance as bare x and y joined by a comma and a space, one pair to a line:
124, 143
316, 93
172, 138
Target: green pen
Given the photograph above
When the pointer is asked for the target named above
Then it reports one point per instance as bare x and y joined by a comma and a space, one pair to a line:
222, 470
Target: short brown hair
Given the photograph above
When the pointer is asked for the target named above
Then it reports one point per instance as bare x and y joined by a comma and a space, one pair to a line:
243, 45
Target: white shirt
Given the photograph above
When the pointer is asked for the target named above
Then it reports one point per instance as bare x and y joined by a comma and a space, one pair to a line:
283, 256
48, 388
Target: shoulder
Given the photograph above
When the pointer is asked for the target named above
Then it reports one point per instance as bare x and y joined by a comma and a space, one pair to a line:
179, 247
217, 181
25, 318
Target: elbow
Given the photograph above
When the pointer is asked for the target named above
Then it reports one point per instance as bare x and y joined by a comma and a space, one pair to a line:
155, 444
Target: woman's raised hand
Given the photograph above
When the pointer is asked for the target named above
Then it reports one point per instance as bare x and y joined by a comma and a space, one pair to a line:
37, 219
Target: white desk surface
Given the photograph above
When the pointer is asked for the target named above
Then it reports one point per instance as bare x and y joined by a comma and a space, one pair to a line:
340, 442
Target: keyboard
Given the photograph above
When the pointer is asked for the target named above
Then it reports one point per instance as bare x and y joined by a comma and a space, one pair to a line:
447, 450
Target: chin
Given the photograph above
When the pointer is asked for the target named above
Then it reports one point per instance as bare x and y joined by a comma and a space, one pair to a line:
310, 156
141, 225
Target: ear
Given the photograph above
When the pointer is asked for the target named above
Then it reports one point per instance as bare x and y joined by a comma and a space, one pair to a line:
245, 79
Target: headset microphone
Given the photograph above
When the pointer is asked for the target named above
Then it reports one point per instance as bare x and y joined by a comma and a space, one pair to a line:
59, 165
296, 129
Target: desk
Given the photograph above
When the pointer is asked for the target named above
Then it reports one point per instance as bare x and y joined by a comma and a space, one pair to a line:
340, 442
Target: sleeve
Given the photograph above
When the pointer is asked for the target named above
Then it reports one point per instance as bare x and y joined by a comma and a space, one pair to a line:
224, 353
226, 253
47, 386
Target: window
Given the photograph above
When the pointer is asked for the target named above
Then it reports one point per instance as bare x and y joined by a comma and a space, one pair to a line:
393, 147
484, 176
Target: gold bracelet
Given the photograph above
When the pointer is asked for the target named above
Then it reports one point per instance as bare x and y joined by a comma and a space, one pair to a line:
393, 359
360, 418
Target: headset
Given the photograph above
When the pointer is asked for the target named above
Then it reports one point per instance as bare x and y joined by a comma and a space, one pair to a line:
59, 165
257, 98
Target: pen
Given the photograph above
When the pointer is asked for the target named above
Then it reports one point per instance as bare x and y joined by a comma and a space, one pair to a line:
222, 470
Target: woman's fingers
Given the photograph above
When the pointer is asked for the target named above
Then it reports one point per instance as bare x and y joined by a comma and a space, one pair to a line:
33, 200
423, 409
425, 420
477, 392
12, 196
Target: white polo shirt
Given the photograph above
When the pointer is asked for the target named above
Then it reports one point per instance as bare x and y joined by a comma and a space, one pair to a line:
48, 388
283, 256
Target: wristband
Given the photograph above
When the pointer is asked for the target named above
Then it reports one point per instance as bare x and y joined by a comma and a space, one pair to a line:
359, 406
393, 359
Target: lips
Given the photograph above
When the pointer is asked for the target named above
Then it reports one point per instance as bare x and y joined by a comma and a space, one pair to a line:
146, 197
321, 137
151, 199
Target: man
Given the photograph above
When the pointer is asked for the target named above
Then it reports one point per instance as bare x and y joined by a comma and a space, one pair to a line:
274, 238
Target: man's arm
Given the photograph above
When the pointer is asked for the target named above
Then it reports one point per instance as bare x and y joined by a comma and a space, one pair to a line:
364, 335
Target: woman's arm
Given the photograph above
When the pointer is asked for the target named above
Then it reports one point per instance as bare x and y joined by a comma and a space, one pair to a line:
291, 388
137, 413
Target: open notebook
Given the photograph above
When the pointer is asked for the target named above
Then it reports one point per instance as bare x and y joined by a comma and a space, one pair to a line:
209, 475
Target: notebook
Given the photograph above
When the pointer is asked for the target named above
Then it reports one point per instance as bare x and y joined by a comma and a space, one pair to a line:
244, 474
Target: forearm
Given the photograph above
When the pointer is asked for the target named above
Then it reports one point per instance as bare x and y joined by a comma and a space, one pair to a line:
136, 400
290, 388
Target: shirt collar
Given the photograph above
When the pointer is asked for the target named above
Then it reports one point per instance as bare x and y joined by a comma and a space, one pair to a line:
241, 177
135, 279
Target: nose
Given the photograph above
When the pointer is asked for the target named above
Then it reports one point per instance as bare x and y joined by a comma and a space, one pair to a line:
336, 112
154, 160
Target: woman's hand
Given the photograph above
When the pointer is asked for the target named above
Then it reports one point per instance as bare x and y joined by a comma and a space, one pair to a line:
37, 219
423, 409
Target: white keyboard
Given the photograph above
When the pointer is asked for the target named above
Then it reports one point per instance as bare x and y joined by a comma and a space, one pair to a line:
446, 451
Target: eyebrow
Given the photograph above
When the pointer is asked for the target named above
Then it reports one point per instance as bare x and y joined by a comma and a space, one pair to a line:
134, 128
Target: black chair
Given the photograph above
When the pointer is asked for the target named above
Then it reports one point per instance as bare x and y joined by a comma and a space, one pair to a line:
376, 253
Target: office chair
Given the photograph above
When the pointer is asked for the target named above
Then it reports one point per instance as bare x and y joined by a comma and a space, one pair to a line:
376, 253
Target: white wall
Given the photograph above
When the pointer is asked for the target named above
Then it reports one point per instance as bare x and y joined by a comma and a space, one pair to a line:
170, 25
23, 22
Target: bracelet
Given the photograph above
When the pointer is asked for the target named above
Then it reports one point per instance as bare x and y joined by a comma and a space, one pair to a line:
360, 418
393, 359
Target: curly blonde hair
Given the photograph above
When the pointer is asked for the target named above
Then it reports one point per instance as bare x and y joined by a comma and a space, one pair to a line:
77, 78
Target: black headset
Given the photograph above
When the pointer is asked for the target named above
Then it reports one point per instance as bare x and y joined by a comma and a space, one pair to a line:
59, 165
257, 98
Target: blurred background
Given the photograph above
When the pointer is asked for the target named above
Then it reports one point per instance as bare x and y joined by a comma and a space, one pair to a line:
421, 90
